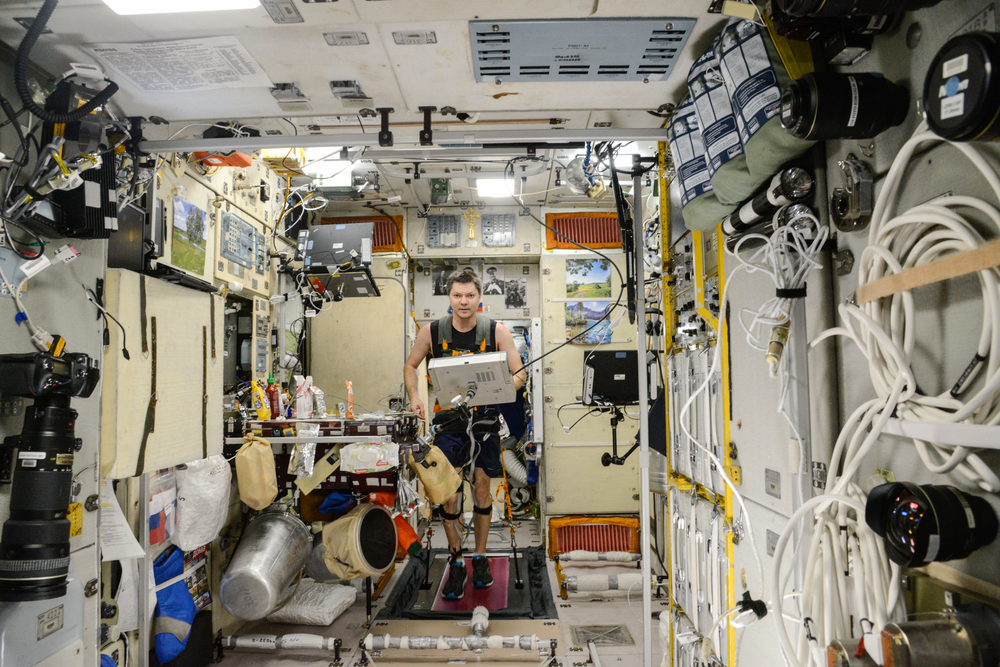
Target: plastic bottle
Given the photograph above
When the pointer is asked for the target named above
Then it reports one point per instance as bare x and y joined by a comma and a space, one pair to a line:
349, 414
273, 397
260, 402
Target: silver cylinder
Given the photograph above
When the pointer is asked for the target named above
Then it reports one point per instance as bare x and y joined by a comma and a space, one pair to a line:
942, 643
274, 548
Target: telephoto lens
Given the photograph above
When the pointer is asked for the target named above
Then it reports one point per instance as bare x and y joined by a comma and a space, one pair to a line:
34, 550
826, 106
962, 88
832, 8
925, 523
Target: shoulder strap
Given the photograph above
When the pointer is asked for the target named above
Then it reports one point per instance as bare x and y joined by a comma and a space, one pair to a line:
483, 333
444, 338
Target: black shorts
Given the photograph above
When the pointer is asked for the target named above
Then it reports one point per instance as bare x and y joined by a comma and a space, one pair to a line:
456, 447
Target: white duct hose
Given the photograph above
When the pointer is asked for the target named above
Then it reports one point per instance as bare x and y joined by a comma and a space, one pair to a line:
470, 643
591, 556
275, 642
514, 466
480, 620
602, 582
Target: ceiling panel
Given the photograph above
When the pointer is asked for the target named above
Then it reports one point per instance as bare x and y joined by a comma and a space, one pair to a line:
393, 75
424, 11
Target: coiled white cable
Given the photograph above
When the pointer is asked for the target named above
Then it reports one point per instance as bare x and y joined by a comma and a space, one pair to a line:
884, 329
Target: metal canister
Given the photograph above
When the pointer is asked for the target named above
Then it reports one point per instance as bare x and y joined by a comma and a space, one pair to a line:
274, 548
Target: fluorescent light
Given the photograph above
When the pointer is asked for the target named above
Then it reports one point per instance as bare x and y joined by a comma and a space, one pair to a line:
127, 7
494, 187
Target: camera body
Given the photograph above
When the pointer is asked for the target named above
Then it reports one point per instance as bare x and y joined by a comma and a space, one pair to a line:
40, 374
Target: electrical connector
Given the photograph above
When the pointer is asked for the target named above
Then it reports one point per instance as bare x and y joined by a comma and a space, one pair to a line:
66, 254
35, 266
42, 340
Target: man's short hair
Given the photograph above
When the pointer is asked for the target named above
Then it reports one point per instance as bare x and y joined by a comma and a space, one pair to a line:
465, 276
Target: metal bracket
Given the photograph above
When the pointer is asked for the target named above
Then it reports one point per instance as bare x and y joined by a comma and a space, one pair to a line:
90, 590
384, 135
851, 206
843, 261
819, 475
425, 134
92, 503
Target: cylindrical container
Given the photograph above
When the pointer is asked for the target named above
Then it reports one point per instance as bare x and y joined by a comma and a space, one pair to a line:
273, 398
962, 88
274, 548
842, 106
360, 543
789, 185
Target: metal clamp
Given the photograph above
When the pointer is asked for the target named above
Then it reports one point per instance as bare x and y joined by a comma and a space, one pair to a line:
384, 135
425, 134
851, 206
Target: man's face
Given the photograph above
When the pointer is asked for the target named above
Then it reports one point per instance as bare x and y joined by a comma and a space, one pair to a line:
464, 298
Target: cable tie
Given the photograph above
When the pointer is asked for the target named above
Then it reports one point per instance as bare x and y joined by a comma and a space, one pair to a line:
799, 293
758, 607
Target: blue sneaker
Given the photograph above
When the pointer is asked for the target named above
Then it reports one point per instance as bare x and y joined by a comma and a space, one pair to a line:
481, 576
454, 588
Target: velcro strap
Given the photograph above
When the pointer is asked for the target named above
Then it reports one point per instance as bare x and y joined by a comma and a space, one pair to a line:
449, 516
483, 510
799, 293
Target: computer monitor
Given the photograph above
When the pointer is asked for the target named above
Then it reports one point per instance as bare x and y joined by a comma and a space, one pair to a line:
611, 377
488, 374
326, 248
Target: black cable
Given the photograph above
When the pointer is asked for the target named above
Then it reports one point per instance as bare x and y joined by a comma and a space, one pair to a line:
586, 414
37, 240
294, 128
8, 109
21, 75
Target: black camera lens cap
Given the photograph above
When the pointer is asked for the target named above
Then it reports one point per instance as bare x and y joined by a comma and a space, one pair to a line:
962, 89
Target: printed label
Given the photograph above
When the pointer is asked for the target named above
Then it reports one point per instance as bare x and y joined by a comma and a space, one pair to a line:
31, 455
49, 622
953, 106
955, 66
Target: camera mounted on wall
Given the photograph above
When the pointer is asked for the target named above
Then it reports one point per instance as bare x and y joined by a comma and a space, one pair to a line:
34, 546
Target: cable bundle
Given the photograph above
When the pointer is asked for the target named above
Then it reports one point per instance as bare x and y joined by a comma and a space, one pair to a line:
884, 329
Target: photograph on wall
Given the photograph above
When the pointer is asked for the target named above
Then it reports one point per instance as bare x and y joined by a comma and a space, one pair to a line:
187, 250
493, 281
439, 278
588, 278
516, 293
582, 315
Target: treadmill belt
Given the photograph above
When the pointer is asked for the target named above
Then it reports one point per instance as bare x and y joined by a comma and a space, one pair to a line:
494, 597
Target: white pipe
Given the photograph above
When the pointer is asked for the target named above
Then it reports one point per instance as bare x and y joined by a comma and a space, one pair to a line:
444, 643
644, 509
604, 582
275, 642
611, 556
514, 466
593, 654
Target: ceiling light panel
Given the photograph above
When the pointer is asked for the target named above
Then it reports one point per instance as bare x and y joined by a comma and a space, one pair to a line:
612, 49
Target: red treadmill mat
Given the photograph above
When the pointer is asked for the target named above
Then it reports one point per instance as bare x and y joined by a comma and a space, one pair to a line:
494, 597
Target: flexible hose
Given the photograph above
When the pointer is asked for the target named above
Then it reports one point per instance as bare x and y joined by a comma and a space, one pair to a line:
21, 75
515, 468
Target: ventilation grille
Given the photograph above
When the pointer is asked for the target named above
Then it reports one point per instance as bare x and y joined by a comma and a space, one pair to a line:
385, 237
594, 537
612, 49
593, 230
484, 377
